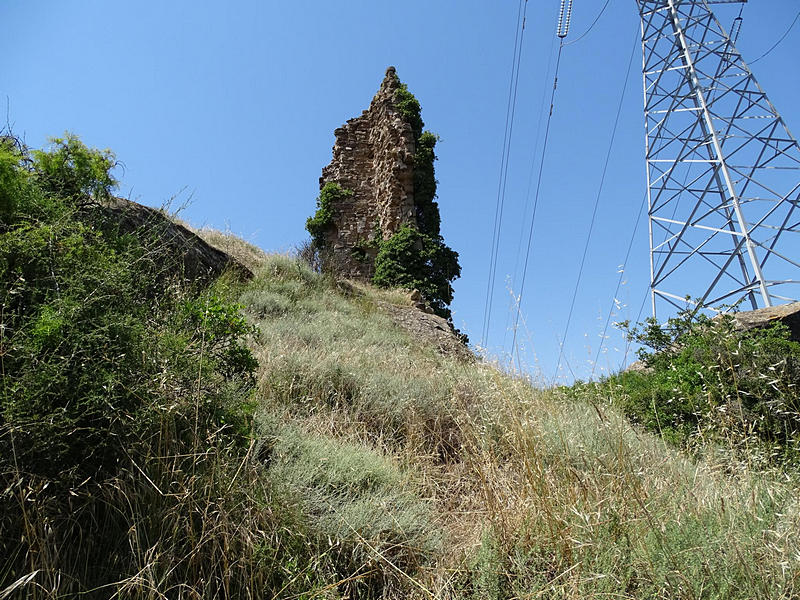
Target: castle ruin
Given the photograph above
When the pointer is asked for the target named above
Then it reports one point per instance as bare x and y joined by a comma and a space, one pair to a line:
374, 158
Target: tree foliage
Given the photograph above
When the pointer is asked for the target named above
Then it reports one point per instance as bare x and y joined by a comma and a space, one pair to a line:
94, 327
414, 260
68, 169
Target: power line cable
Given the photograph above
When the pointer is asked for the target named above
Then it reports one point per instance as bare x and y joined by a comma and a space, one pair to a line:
536, 204
531, 173
498, 207
509, 127
619, 283
564, 18
596, 206
596, 19
778, 43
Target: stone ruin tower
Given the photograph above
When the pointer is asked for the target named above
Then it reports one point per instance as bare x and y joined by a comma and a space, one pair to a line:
374, 158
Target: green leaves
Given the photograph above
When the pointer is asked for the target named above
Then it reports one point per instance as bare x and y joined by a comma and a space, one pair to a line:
425, 182
318, 225
707, 380
71, 170
409, 107
13, 177
95, 335
217, 327
414, 260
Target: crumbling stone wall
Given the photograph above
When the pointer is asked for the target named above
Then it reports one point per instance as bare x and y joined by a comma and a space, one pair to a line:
374, 157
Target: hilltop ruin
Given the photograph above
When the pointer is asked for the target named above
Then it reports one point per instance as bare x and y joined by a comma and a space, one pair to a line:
377, 219
374, 158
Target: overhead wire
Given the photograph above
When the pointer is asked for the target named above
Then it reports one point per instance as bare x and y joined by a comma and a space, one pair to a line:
563, 30
778, 43
509, 128
614, 300
533, 213
531, 173
594, 210
498, 203
596, 19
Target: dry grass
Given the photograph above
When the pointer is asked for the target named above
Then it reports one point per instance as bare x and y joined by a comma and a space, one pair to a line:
379, 468
535, 494
249, 255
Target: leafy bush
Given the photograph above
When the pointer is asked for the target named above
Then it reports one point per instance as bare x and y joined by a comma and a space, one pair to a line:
12, 177
70, 170
89, 325
414, 260
112, 365
706, 380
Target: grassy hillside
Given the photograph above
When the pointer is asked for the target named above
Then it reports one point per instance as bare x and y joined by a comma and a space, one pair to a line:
448, 479
355, 460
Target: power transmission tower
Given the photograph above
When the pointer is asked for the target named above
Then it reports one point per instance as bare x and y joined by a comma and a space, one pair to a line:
723, 170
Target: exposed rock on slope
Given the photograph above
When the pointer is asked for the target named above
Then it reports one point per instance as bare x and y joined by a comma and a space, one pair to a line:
193, 257
788, 314
429, 328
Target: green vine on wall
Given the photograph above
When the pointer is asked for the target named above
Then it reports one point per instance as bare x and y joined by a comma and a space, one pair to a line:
408, 106
331, 194
428, 219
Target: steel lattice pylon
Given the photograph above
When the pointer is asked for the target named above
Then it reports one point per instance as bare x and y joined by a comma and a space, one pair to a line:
723, 171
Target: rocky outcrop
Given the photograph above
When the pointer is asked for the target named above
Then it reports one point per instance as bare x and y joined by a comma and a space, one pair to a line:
429, 328
788, 314
415, 316
181, 251
374, 157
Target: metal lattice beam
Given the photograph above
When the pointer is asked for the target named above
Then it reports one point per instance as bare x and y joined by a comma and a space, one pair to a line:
723, 170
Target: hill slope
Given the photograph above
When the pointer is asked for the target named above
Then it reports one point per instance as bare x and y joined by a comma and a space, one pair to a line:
294, 437
450, 479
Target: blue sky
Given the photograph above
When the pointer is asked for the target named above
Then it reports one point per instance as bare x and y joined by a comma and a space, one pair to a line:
232, 106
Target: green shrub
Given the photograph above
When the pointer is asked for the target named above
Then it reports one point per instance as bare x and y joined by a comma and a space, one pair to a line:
413, 260
708, 381
90, 324
69, 169
222, 327
13, 178
117, 378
